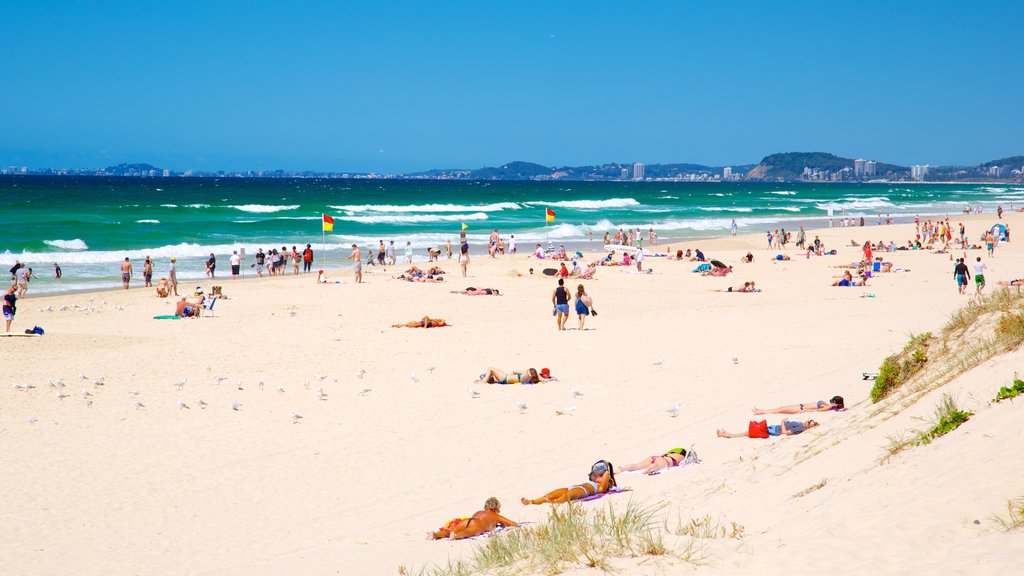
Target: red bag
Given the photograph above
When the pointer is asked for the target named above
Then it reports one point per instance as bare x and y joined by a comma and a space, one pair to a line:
758, 429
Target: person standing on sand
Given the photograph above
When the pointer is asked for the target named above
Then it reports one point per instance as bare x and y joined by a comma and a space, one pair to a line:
357, 263
296, 258
560, 299
56, 271
979, 276
990, 243
173, 276
960, 273
261, 260
464, 257
639, 258
147, 272
732, 227
448, 249
408, 252
10, 306
512, 244
126, 272
307, 258
236, 264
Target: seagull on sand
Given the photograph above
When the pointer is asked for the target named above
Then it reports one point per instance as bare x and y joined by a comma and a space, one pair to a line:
181, 384
236, 406
220, 379
182, 405
61, 395
567, 411
364, 391
522, 407
659, 362
321, 377
431, 368
201, 403
673, 410
32, 420
138, 404
280, 389
414, 377
82, 376
360, 373
574, 392
473, 393
735, 360
320, 394
296, 417
86, 393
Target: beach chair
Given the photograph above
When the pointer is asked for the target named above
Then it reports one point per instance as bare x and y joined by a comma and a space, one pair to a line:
209, 306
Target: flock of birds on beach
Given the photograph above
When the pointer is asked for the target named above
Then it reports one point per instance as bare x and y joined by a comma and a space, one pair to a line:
60, 389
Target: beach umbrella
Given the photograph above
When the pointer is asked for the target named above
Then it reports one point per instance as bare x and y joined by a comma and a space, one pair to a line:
999, 231
718, 264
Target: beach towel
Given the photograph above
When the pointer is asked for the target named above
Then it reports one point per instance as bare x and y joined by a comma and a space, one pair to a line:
167, 317
691, 458
614, 490
704, 267
497, 530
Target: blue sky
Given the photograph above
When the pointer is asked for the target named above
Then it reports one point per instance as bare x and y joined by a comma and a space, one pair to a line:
404, 86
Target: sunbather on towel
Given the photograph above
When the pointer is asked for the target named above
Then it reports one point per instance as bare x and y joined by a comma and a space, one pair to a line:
478, 291
482, 522
601, 480
652, 464
763, 430
528, 376
836, 403
426, 322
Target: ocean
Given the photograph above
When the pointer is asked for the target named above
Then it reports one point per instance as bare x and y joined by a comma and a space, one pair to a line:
90, 224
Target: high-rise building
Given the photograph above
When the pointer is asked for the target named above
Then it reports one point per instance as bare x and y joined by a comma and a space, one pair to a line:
638, 171
625, 173
869, 168
994, 171
167, 173
918, 172
727, 173
858, 168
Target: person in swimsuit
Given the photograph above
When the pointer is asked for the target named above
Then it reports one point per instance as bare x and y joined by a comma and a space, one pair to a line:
836, 403
764, 430
10, 306
357, 263
478, 291
482, 522
426, 322
652, 464
528, 376
185, 309
126, 273
600, 481
147, 272
583, 303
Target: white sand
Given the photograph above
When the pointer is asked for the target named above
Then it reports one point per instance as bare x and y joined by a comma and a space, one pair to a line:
355, 486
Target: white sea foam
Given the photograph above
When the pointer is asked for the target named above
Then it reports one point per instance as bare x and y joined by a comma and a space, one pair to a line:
668, 197
429, 207
854, 203
414, 219
76, 244
262, 208
168, 205
147, 221
783, 192
590, 204
722, 209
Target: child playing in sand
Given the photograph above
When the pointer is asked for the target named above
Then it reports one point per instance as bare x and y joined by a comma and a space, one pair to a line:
482, 522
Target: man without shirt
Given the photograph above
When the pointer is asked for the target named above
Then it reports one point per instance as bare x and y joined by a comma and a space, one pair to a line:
126, 272
357, 263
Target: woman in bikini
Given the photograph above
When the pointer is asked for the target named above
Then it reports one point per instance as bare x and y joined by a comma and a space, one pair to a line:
482, 522
426, 322
600, 481
836, 403
528, 376
652, 464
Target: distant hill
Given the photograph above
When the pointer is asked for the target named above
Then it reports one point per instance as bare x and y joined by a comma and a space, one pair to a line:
131, 169
512, 171
790, 165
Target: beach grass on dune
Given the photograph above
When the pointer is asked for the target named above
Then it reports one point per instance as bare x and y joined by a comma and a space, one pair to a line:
1009, 392
1014, 515
571, 536
707, 527
948, 417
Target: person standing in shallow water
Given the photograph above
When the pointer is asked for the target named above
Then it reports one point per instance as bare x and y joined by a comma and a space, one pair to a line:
126, 272
56, 271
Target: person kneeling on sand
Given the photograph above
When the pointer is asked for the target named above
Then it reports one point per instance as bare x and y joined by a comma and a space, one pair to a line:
836, 403
652, 464
426, 322
763, 430
600, 481
482, 522
163, 288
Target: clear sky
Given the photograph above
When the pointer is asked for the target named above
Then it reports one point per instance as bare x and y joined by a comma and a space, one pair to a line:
402, 86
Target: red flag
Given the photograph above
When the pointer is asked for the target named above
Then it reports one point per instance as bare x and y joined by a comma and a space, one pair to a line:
328, 223
550, 214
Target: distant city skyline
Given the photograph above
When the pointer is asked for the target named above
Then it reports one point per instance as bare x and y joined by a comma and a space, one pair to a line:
399, 87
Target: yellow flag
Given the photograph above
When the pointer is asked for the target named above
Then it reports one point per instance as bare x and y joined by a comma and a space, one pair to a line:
464, 225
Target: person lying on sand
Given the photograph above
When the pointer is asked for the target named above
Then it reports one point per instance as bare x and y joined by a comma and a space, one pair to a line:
482, 522
763, 430
600, 481
717, 271
1017, 282
847, 280
747, 287
528, 376
427, 322
836, 403
478, 291
419, 278
652, 464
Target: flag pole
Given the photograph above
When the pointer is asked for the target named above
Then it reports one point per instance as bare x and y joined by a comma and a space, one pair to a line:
323, 234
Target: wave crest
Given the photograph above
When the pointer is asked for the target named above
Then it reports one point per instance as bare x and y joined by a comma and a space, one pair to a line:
413, 219
495, 207
76, 244
263, 208
590, 204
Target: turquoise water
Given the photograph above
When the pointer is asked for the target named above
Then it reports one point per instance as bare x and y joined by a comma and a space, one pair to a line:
89, 225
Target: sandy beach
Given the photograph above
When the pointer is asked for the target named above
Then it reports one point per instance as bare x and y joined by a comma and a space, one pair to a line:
354, 486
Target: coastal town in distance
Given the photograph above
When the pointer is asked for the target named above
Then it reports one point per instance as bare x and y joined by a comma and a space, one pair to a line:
785, 167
